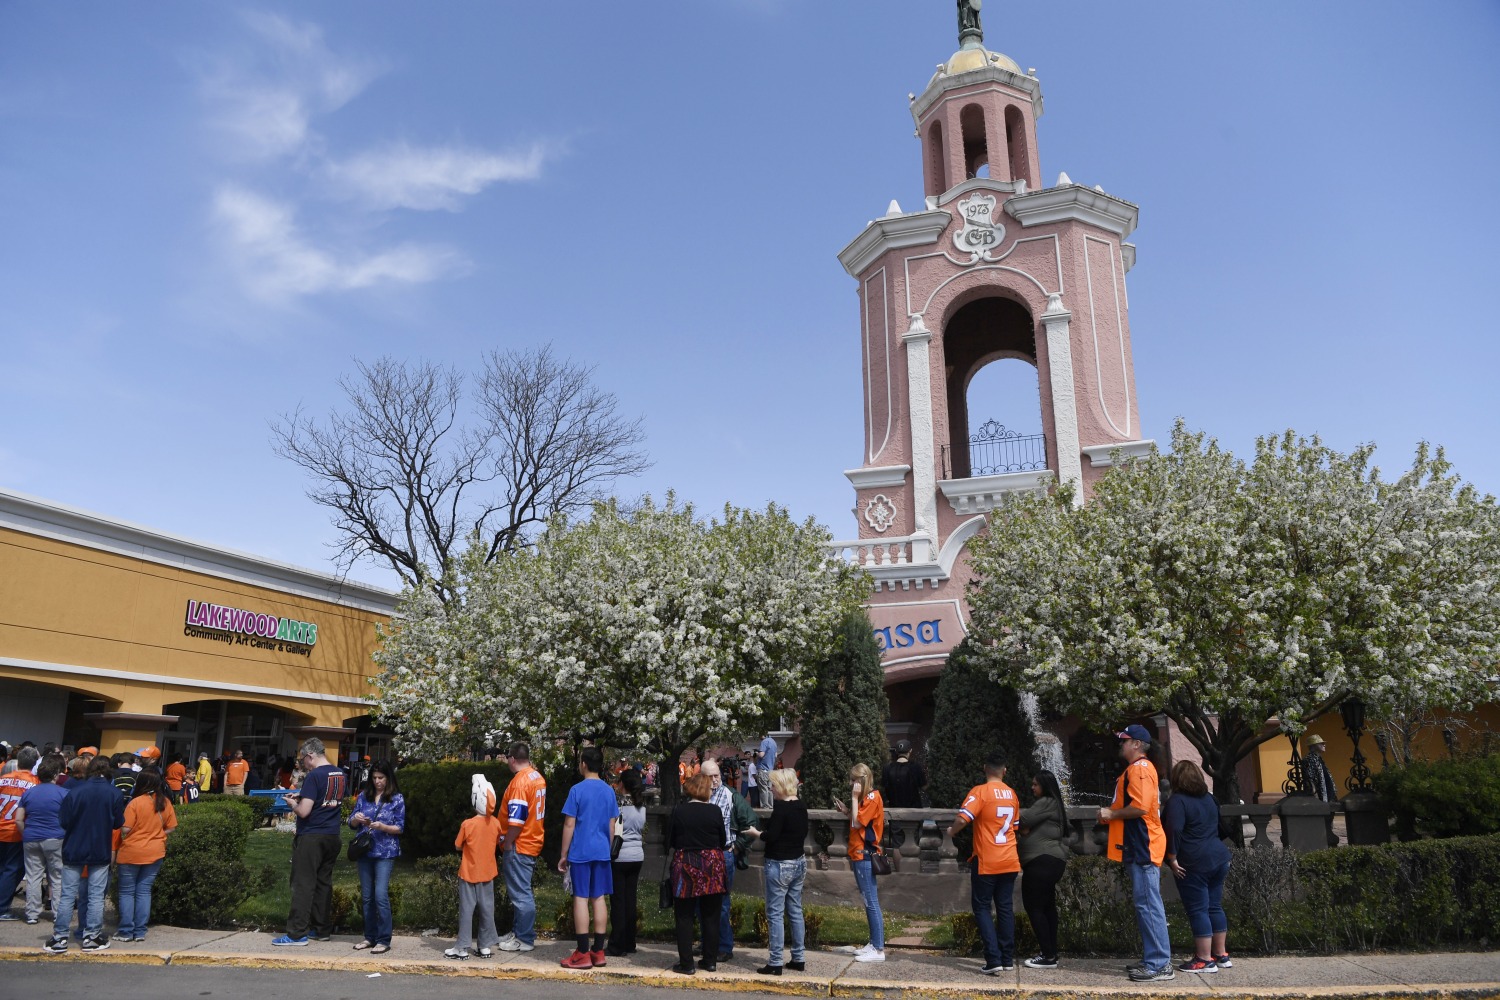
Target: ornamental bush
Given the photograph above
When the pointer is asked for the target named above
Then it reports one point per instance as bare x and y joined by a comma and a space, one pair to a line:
1451, 797
204, 878
437, 802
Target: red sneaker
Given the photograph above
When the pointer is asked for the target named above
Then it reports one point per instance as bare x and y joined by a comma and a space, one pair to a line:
578, 960
597, 957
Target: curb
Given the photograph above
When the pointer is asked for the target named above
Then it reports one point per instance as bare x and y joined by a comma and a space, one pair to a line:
750, 983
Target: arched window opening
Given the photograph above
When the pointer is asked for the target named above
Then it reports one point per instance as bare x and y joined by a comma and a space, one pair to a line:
989, 347
937, 171
976, 151
1015, 142
1004, 403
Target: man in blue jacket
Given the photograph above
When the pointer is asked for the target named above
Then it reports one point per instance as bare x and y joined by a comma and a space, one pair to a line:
89, 816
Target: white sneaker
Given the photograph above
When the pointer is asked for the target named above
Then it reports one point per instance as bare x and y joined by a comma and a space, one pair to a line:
515, 944
458, 953
870, 956
507, 936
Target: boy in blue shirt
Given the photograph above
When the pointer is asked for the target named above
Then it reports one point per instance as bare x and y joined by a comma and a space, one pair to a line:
589, 818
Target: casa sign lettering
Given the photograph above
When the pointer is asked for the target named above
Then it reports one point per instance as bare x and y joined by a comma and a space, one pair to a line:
980, 233
237, 626
909, 634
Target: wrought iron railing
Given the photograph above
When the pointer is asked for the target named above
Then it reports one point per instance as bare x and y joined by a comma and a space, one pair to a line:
994, 450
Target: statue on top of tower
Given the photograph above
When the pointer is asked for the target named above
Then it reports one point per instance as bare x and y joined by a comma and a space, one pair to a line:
968, 21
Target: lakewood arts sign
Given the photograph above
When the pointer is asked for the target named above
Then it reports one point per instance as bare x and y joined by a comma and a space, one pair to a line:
249, 628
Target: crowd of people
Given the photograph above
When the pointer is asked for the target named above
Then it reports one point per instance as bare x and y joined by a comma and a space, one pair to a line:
69, 820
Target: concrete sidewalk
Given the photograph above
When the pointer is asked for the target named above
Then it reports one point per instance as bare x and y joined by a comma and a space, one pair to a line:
905, 973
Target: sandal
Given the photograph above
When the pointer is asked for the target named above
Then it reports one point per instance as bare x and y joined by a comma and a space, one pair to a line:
363, 945
380, 949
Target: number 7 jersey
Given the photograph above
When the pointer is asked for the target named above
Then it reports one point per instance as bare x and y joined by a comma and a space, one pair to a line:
992, 807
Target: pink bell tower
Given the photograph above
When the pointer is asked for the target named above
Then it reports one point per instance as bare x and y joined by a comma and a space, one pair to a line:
993, 267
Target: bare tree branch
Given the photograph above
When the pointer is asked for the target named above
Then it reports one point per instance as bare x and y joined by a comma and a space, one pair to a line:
400, 468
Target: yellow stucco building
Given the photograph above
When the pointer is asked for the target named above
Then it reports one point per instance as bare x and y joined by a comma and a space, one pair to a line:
121, 636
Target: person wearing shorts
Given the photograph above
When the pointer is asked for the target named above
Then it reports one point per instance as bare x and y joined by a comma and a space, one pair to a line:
589, 818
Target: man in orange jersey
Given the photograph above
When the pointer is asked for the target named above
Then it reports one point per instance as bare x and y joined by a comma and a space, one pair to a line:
176, 775
1137, 841
524, 806
12, 787
992, 807
234, 774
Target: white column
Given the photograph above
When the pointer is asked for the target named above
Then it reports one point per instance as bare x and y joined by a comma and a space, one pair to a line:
1064, 401
919, 405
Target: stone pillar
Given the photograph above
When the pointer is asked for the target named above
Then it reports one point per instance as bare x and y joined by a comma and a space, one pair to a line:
1366, 819
918, 339
1056, 321
1304, 823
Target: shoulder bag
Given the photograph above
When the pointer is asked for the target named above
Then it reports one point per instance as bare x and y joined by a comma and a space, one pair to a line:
879, 863
664, 892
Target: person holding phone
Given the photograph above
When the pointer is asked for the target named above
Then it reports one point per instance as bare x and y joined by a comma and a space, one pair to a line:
866, 812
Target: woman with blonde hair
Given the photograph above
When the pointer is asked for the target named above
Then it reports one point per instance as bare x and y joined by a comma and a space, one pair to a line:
785, 871
866, 812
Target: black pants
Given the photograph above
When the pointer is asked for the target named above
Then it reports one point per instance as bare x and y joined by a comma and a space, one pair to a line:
706, 909
1039, 878
313, 855
622, 905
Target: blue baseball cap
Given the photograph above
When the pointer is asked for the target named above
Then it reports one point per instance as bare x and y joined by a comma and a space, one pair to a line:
1135, 733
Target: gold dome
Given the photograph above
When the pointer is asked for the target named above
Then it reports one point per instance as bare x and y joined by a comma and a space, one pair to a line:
967, 60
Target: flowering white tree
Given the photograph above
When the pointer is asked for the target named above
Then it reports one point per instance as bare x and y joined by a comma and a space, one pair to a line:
1227, 594
649, 628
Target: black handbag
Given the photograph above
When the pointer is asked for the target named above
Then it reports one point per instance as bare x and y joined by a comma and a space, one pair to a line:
361, 844
879, 863
664, 893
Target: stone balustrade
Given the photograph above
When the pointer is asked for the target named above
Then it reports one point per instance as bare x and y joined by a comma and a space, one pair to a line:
917, 839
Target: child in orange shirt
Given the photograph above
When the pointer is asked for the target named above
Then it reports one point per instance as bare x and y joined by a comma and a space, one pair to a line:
477, 839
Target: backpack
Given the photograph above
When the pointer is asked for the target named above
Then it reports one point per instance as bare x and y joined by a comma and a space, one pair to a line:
125, 782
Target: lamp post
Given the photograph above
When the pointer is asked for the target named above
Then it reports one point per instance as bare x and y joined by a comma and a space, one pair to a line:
1296, 778
1353, 711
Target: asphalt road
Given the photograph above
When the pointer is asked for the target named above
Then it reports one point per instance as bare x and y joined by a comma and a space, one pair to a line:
77, 979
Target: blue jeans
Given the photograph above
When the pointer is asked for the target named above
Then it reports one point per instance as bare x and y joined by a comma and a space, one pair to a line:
997, 930
12, 854
726, 929
784, 881
98, 883
1150, 915
135, 897
375, 887
864, 877
518, 869
1203, 897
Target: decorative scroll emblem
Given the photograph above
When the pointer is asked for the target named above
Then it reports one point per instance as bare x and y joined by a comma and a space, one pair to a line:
980, 233
880, 512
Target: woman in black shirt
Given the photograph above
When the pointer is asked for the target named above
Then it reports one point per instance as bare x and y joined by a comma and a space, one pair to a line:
697, 842
785, 871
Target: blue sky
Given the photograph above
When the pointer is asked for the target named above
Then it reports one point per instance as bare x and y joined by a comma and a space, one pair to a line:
209, 210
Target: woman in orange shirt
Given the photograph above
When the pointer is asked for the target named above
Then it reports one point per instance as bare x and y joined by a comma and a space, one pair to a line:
866, 812
143, 847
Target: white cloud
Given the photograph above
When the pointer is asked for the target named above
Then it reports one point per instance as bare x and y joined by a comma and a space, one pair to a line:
276, 261
403, 176
265, 101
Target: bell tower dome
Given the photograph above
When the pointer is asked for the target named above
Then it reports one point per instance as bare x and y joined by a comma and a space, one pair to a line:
995, 274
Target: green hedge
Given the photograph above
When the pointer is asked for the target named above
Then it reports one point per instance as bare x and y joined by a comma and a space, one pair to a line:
204, 877
1394, 896
1453, 797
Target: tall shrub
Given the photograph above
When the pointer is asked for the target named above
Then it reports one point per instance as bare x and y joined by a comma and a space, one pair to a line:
437, 802
1451, 797
204, 877
973, 717
843, 717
